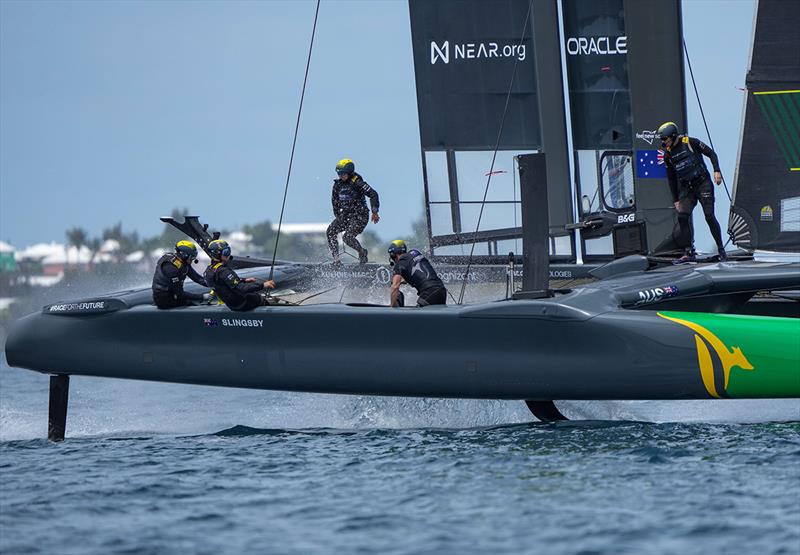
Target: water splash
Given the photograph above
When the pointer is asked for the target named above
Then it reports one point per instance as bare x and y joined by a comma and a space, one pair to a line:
104, 407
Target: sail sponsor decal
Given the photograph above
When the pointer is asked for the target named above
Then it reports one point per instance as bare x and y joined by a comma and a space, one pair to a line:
465, 52
445, 51
648, 136
744, 356
603, 46
379, 276
650, 164
766, 213
595, 44
382, 275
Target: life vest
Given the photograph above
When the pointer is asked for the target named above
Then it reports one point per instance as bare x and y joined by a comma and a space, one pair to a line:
210, 275
418, 271
351, 194
688, 164
163, 283
223, 290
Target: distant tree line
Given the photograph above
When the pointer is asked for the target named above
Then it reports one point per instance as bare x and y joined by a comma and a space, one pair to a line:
295, 247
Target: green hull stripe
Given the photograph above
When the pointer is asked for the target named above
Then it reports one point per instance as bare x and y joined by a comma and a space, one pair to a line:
771, 346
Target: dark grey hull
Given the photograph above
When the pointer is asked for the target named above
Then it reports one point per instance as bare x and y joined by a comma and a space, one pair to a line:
608, 340
485, 352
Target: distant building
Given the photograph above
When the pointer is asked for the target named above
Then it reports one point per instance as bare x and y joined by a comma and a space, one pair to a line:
311, 233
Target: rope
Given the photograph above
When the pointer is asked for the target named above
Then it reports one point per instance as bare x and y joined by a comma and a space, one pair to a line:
703, 114
494, 154
294, 141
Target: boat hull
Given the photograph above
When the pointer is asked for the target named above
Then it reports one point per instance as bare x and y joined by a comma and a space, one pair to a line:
503, 350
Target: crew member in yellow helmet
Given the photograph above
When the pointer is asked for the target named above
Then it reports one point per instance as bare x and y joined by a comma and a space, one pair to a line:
171, 271
349, 200
690, 183
237, 293
411, 267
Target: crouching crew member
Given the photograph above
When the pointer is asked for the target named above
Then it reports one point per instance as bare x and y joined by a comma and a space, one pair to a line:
414, 269
350, 212
172, 269
237, 294
690, 183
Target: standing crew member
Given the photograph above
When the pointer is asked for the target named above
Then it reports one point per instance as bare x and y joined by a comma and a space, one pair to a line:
350, 209
171, 271
689, 182
238, 294
414, 269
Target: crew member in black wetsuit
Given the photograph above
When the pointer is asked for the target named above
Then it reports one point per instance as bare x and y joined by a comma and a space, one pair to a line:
238, 294
414, 269
350, 209
689, 183
172, 269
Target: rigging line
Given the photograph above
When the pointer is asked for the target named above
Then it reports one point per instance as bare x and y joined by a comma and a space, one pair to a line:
494, 154
703, 114
298, 303
294, 141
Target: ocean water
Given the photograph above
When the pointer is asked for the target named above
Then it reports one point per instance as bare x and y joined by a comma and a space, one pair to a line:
161, 468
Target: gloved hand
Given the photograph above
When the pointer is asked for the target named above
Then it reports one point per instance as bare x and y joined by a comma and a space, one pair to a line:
208, 298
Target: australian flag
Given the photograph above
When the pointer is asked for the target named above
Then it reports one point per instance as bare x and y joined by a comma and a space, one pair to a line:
650, 164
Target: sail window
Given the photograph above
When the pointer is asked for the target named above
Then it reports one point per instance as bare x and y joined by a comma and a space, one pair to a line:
790, 214
616, 179
436, 171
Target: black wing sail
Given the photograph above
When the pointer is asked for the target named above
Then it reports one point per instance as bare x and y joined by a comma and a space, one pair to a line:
765, 213
465, 54
622, 84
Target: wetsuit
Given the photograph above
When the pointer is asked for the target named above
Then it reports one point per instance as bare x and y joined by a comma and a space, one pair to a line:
690, 183
418, 272
236, 294
168, 280
349, 200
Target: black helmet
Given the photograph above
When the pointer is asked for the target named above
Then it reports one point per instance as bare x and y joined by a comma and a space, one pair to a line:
186, 250
345, 165
397, 247
219, 248
668, 130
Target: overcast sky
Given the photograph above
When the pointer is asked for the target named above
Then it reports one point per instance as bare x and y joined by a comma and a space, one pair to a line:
120, 111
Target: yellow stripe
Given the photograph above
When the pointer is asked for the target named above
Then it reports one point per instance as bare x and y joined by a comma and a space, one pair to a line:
777, 92
794, 169
706, 366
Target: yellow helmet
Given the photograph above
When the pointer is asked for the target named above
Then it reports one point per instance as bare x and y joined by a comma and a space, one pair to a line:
345, 165
186, 250
666, 130
398, 246
219, 248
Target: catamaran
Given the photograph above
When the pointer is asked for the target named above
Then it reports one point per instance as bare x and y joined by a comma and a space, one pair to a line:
640, 328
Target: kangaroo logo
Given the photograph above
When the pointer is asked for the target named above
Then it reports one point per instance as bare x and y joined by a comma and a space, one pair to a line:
728, 358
